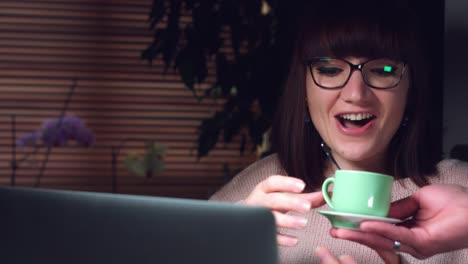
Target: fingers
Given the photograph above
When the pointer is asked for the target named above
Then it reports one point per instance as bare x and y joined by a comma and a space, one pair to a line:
383, 247
347, 260
387, 230
274, 193
286, 202
374, 241
295, 202
283, 193
327, 257
407, 238
391, 233
289, 221
278, 183
286, 241
315, 198
389, 257
403, 208
366, 239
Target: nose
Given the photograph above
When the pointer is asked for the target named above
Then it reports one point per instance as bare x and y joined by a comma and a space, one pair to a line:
356, 89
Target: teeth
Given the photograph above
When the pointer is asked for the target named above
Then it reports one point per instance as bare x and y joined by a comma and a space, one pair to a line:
357, 117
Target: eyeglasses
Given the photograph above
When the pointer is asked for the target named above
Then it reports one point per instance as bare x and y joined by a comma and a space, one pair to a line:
331, 73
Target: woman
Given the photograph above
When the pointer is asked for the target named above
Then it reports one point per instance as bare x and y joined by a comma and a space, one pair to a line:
357, 84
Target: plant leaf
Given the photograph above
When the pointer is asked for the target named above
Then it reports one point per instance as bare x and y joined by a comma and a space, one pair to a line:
172, 33
158, 10
209, 133
233, 125
135, 165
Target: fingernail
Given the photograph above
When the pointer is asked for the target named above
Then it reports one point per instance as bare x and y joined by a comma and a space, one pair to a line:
294, 241
306, 206
302, 222
346, 259
319, 251
300, 186
290, 241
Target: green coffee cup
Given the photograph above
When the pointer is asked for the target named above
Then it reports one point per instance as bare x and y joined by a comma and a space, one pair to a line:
359, 192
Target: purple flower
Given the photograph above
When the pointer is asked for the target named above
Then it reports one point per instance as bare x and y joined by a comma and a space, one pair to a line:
49, 123
29, 139
57, 132
85, 137
70, 125
54, 137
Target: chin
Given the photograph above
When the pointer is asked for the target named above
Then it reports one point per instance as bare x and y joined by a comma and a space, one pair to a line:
358, 154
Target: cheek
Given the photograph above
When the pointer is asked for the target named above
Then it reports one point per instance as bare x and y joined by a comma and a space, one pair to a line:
316, 109
403, 92
397, 104
320, 102
319, 107
315, 103
401, 99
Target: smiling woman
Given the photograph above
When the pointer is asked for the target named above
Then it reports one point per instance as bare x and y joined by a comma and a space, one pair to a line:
358, 88
338, 105
359, 44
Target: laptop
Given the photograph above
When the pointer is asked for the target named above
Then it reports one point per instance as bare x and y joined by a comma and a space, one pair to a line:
57, 227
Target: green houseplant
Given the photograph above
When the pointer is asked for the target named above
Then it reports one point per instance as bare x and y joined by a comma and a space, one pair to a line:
249, 77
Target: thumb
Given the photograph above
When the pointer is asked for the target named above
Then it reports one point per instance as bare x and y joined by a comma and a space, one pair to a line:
403, 208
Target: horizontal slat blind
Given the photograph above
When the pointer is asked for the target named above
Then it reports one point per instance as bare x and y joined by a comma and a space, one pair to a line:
46, 45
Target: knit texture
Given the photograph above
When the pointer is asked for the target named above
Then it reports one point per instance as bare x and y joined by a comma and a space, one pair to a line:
317, 231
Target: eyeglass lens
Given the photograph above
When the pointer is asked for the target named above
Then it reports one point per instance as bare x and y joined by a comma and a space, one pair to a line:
378, 73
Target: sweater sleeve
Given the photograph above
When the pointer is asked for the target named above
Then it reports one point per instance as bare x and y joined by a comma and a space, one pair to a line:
403, 259
452, 171
243, 183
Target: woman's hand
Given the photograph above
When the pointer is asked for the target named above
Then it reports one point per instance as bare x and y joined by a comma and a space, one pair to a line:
283, 194
439, 223
327, 257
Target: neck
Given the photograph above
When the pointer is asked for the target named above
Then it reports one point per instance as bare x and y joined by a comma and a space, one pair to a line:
375, 164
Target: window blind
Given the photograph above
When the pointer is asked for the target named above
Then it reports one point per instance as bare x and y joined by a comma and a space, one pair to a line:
46, 46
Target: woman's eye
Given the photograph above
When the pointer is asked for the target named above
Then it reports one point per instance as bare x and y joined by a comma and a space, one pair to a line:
384, 71
329, 70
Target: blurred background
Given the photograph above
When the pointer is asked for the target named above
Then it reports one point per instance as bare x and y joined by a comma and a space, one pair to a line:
168, 97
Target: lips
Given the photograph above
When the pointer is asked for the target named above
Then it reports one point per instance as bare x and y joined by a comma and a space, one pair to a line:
355, 124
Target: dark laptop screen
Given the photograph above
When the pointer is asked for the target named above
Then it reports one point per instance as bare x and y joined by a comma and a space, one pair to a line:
51, 226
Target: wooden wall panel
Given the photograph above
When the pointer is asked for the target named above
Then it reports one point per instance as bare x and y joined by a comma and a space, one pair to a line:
46, 45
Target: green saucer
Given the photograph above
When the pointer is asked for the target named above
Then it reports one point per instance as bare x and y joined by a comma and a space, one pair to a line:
352, 221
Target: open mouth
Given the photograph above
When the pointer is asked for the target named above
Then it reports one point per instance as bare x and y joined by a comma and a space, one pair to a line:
355, 120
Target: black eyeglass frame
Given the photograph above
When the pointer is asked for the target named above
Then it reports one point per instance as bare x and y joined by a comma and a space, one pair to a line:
353, 68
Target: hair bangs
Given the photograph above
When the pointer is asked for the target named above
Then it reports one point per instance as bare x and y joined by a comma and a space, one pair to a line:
367, 41
357, 31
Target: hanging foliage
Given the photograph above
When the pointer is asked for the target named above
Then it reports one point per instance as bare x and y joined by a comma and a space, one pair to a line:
248, 76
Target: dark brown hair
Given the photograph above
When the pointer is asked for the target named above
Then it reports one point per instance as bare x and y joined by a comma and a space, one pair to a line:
354, 28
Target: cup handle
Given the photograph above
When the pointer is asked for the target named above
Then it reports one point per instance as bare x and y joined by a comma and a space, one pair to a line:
325, 184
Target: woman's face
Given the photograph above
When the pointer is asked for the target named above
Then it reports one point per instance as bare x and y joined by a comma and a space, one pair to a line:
357, 144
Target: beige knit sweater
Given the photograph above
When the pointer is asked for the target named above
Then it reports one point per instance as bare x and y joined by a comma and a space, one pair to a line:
316, 232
